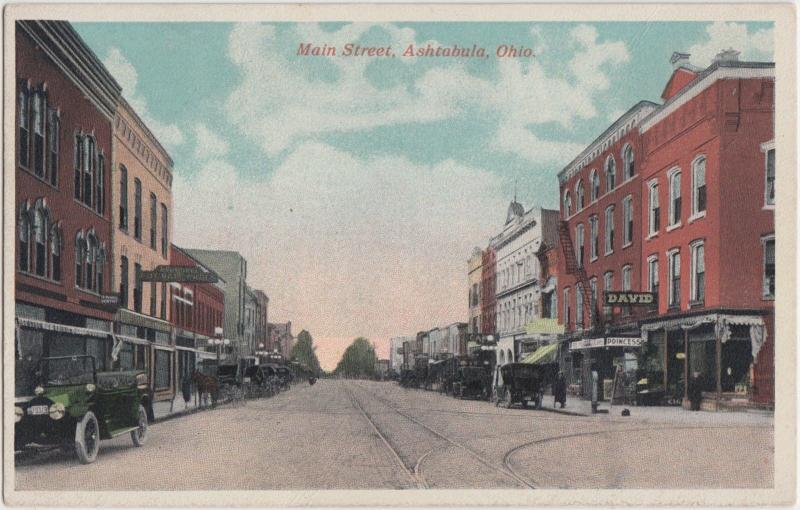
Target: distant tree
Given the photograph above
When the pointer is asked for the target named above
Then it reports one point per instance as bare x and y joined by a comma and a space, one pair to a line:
358, 360
304, 352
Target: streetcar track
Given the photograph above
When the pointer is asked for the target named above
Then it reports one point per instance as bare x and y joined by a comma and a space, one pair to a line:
473, 453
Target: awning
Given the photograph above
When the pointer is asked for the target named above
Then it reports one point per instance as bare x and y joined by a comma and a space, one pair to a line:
542, 355
544, 327
61, 328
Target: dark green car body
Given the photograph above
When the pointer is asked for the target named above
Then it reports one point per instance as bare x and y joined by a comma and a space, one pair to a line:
67, 389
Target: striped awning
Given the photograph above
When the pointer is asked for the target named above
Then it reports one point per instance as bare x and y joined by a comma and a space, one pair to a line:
542, 356
61, 328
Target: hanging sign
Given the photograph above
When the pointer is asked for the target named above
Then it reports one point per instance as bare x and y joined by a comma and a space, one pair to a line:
623, 341
178, 274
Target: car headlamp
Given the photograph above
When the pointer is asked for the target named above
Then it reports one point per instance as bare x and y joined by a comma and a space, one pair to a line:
18, 413
57, 411
38, 390
90, 387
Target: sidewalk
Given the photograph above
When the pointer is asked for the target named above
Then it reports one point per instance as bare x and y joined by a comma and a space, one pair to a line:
162, 410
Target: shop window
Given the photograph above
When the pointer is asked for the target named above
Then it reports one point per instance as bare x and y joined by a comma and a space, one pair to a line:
699, 186
123, 282
674, 197
609, 233
594, 186
769, 187
611, 174
698, 287
23, 122
674, 258
162, 369
123, 197
654, 212
628, 167
126, 357
769, 267
627, 221
137, 209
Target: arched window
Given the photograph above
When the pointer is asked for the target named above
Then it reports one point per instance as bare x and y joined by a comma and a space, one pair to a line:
699, 186
53, 127
88, 169
594, 186
24, 239
611, 174
55, 254
628, 167
39, 109
98, 184
80, 257
91, 256
579, 196
567, 205
40, 239
23, 121
99, 264
674, 196
79, 157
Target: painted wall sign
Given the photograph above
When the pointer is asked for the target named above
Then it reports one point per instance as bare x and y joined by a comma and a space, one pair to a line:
629, 298
178, 274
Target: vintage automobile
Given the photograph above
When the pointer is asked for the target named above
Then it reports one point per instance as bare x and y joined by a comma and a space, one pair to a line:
472, 382
522, 384
75, 406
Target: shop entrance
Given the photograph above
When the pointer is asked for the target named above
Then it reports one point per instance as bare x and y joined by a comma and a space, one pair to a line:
675, 367
736, 360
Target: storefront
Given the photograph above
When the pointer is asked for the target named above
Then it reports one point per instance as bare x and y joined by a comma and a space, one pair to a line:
715, 351
604, 355
147, 344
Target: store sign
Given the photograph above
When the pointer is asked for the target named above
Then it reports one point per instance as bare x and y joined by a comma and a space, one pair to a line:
586, 343
178, 274
544, 327
109, 299
629, 298
623, 341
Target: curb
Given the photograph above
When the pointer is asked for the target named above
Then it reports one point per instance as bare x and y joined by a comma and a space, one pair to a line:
187, 412
562, 411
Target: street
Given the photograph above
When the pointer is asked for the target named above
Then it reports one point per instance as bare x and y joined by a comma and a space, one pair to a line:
343, 434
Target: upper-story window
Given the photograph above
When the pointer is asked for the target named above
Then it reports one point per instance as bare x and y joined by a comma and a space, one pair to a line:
674, 197
654, 211
579, 203
627, 221
578, 305
609, 238
611, 173
628, 165
24, 123
39, 109
153, 221
38, 131
90, 258
39, 242
674, 259
593, 298
89, 172
137, 209
99, 199
579, 243
123, 197
769, 267
697, 291
594, 186
769, 185
567, 205
699, 186
627, 272
164, 231
123, 281
608, 285
652, 274
593, 237
565, 301
53, 132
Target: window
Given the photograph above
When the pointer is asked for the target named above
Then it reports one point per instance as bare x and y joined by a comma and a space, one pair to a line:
153, 299
627, 221
153, 221
674, 258
608, 285
137, 288
39, 110
567, 205
55, 254
769, 190
579, 196
611, 174
24, 240
674, 197
163, 362
123, 282
123, 197
769, 267
698, 282
628, 168
594, 186
98, 185
164, 300
23, 122
53, 127
79, 155
593, 238
566, 306
39, 237
654, 218
593, 295
627, 271
699, 186
80, 257
137, 209
578, 305
652, 274
88, 167
579, 243
164, 232
609, 244
91, 255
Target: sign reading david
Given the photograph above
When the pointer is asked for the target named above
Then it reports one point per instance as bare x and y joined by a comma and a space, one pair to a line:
629, 298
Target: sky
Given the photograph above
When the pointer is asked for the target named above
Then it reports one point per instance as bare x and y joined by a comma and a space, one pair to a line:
357, 188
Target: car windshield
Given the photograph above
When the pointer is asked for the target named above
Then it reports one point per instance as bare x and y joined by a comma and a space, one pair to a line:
67, 371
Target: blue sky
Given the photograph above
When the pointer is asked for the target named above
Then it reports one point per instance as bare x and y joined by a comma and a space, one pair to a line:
361, 183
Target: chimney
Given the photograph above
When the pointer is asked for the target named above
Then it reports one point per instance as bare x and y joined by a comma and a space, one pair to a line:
679, 60
729, 55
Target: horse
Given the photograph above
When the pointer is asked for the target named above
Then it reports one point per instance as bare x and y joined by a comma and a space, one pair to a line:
206, 384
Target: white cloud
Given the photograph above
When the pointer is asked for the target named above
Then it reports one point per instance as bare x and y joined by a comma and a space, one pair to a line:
753, 45
208, 144
347, 246
126, 75
278, 103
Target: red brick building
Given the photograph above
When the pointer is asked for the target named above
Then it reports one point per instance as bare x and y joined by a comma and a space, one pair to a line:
488, 295
708, 179
196, 310
65, 104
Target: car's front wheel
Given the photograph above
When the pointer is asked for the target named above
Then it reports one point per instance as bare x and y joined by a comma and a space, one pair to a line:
87, 438
139, 436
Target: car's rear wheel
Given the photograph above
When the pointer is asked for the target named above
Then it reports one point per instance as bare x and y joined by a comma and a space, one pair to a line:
87, 438
139, 436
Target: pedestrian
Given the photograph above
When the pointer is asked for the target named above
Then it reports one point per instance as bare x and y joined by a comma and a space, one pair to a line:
560, 390
695, 391
186, 389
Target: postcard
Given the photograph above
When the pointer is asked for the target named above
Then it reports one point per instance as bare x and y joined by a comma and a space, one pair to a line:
399, 255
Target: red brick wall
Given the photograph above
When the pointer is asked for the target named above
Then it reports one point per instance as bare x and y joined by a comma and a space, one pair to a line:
207, 297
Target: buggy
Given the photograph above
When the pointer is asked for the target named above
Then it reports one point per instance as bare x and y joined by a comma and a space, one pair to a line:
522, 384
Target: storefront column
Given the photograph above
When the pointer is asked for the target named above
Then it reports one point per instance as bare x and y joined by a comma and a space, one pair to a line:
666, 362
685, 364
